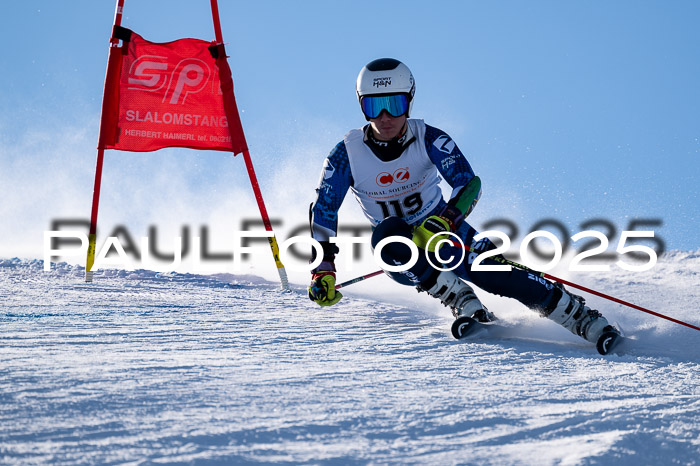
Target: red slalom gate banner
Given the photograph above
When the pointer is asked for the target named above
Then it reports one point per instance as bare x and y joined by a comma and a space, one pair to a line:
173, 94
169, 94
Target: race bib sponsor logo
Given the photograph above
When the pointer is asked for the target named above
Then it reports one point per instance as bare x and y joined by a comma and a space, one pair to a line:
400, 175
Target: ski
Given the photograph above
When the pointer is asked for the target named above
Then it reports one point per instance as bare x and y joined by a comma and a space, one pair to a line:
465, 326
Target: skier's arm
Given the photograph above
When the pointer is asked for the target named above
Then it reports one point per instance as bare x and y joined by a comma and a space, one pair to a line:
466, 188
463, 202
455, 169
335, 181
333, 185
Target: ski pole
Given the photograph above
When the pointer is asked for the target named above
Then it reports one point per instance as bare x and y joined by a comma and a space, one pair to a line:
505, 261
358, 279
588, 290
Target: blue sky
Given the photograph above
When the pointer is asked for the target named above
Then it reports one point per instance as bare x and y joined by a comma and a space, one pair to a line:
567, 110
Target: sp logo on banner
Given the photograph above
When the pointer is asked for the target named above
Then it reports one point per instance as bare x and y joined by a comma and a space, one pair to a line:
169, 95
189, 76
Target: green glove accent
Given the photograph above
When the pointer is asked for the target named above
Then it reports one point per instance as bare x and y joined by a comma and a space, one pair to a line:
322, 288
468, 196
430, 227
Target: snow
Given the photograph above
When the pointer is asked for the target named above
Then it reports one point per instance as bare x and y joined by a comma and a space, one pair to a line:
146, 367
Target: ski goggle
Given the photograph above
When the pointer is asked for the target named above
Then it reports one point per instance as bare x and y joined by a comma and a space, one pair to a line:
373, 105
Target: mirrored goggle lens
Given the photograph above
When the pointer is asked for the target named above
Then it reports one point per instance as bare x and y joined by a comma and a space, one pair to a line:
373, 105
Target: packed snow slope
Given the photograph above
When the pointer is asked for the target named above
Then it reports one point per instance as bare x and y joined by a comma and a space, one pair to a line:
141, 367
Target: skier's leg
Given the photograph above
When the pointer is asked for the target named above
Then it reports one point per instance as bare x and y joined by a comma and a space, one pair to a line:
570, 311
528, 288
444, 285
551, 300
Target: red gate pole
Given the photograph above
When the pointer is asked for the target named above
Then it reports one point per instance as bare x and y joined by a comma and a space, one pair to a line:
251, 171
92, 236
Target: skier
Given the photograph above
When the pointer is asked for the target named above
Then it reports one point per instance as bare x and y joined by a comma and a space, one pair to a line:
393, 166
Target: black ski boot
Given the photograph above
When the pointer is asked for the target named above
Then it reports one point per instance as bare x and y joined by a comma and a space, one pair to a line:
609, 340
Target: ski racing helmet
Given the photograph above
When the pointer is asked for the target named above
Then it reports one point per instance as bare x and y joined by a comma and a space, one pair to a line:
385, 84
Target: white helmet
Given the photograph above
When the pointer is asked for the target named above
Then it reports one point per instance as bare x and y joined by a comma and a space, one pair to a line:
385, 76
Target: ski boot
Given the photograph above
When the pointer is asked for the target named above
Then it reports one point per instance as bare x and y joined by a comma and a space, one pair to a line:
570, 311
454, 293
609, 340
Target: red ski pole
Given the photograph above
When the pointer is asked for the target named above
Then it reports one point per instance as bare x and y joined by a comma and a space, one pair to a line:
550, 277
588, 290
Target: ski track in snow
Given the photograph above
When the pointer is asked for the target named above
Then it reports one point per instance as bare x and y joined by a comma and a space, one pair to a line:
144, 367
